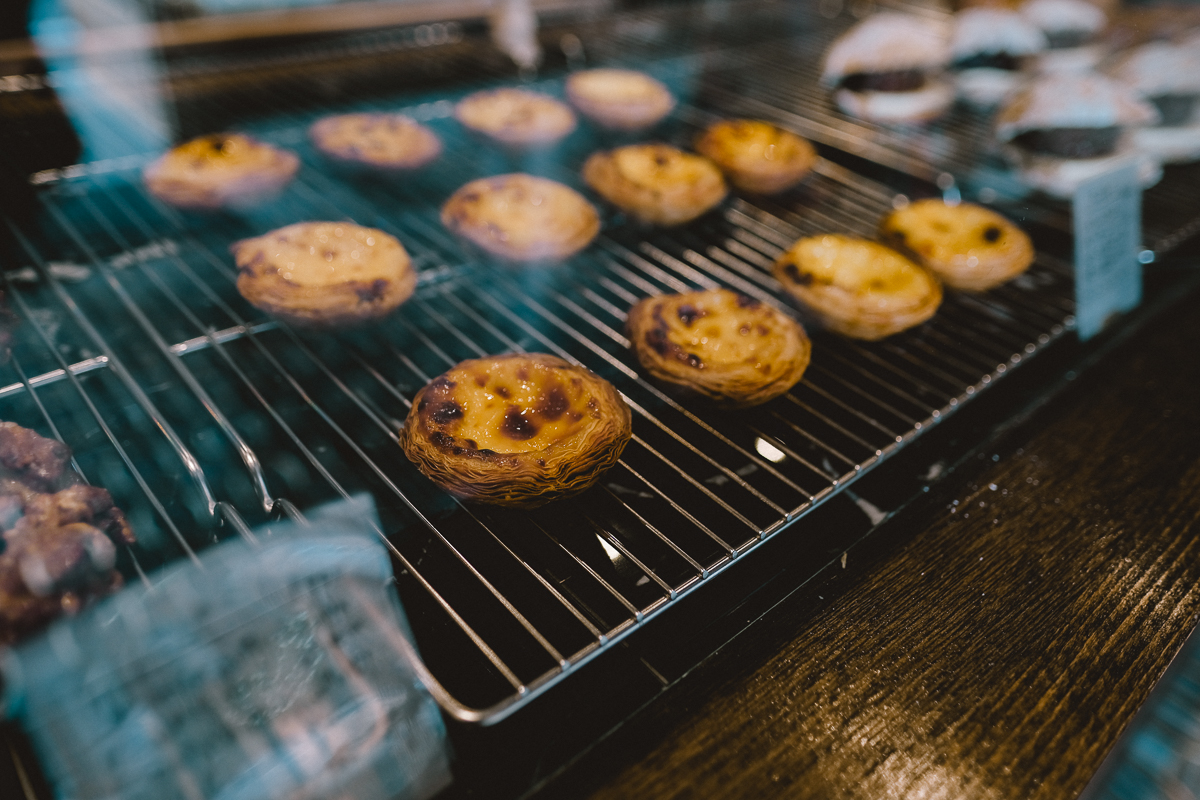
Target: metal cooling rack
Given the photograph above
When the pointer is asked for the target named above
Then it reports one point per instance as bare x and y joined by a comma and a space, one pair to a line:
203, 417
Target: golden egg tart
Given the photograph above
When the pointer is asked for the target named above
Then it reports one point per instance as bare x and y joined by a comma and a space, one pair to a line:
220, 170
325, 274
521, 217
857, 287
757, 156
621, 99
656, 182
968, 246
516, 116
726, 346
378, 141
516, 430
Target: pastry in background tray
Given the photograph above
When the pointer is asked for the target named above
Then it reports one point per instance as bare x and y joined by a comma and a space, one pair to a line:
60, 535
1066, 127
516, 116
375, 141
721, 344
988, 48
890, 68
1073, 29
325, 274
757, 156
516, 429
620, 99
220, 170
857, 287
521, 217
967, 246
656, 182
1167, 75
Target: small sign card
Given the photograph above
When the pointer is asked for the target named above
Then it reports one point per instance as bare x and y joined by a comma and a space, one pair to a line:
1108, 229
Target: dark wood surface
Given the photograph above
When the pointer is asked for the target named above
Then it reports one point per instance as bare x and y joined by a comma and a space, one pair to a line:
999, 652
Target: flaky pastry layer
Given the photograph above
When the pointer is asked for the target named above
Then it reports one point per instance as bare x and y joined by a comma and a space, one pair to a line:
325, 274
967, 246
656, 182
721, 344
857, 287
516, 429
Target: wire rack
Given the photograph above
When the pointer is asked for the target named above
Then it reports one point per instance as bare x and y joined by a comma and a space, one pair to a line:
204, 417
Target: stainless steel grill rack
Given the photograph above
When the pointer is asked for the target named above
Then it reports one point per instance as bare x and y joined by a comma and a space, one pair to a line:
205, 418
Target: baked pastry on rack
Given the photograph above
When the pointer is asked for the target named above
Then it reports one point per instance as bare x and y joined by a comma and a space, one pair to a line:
656, 182
968, 246
516, 117
857, 287
726, 346
1066, 127
1167, 75
1072, 28
220, 170
60, 535
988, 48
376, 141
757, 156
621, 99
516, 430
889, 68
521, 217
325, 274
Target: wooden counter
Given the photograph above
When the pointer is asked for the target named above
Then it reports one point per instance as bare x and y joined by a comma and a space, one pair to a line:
998, 652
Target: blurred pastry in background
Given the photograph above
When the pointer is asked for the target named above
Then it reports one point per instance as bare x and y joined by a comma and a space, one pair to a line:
520, 217
375, 141
220, 170
988, 49
1167, 75
726, 346
890, 68
857, 287
757, 156
325, 274
1072, 28
1066, 127
967, 246
59, 535
516, 116
656, 182
621, 99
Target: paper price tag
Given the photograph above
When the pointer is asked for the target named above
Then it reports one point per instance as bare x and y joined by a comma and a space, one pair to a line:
1108, 221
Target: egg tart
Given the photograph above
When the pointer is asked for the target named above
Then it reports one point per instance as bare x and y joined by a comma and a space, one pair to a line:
757, 156
621, 99
516, 116
325, 274
656, 182
516, 430
520, 217
967, 246
378, 141
720, 344
857, 287
218, 170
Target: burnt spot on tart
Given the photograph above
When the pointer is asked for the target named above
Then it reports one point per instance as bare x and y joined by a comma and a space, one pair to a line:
553, 404
517, 426
445, 412
688, 314
903, 80
745, 301
992, 234
1070, 142
659, 338
797, 277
